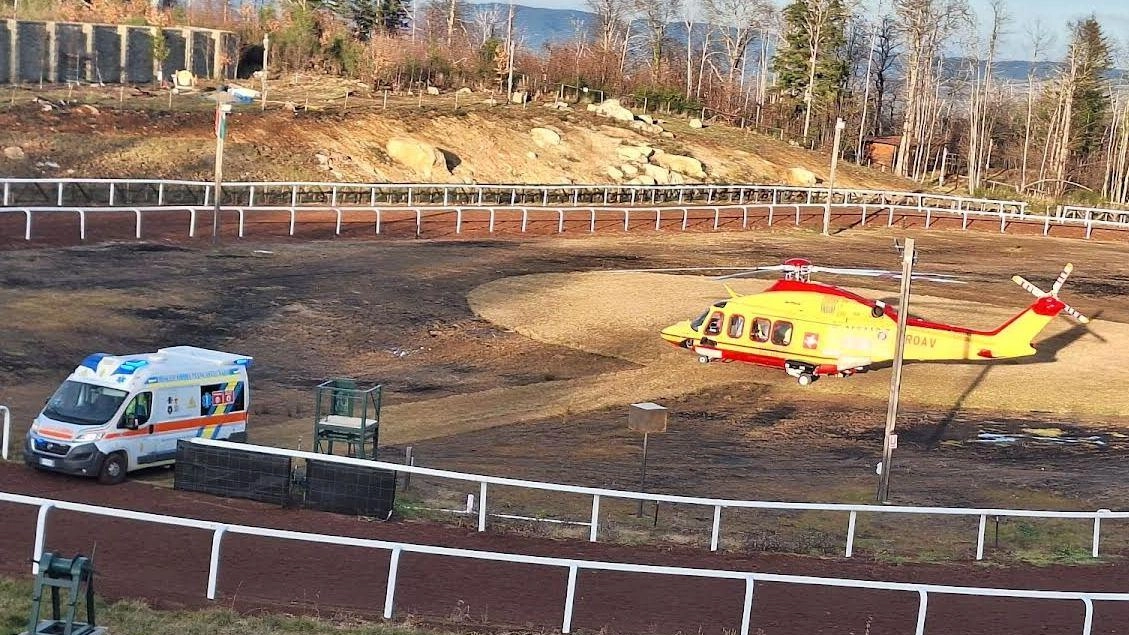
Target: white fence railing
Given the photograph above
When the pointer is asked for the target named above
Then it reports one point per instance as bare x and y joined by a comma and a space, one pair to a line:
559, 215
718, 504
1090, 215
573, 565
80, 192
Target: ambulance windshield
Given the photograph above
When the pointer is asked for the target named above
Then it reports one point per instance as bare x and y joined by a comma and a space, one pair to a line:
84, 404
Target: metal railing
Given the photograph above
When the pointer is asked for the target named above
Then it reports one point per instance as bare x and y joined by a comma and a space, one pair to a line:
527, 214
77, 192
573, 565
718, 504
1092, 216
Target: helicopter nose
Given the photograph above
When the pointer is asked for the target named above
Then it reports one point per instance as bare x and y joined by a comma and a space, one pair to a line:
679, 333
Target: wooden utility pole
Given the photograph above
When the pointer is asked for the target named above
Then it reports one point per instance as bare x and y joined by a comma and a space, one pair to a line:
266, 58
890, 440
839, 125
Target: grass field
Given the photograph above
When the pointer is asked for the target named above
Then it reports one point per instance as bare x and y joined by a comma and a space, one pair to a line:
137, 618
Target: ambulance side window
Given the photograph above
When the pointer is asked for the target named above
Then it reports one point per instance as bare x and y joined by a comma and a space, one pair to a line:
141, 407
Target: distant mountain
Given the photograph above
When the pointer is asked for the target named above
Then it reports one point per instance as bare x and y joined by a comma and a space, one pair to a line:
541, 26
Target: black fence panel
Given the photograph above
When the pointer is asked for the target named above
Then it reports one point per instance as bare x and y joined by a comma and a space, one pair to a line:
348, 489
232, 473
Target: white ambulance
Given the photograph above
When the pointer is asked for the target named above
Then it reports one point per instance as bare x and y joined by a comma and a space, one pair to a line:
115, 414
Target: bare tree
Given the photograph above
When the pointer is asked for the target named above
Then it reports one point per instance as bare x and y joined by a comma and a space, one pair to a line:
979, 123
738, 22
886, 53
485, 22
1039, 39
609, 27
656, 16
925, 24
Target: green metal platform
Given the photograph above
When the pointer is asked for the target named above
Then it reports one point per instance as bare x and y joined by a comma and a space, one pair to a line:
346, 414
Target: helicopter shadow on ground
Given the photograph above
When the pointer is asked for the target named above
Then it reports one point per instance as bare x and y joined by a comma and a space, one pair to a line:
1046, 351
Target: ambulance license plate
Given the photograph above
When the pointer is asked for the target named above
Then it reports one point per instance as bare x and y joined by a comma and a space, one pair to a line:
47, 462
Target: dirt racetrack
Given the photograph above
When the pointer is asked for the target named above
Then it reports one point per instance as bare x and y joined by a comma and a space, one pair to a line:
66, 227
168, 566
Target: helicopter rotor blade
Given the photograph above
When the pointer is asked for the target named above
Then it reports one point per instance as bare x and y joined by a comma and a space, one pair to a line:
1057, 286
883, 273
1027, 286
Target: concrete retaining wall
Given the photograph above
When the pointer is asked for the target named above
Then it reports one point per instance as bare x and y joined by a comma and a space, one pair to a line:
60, 52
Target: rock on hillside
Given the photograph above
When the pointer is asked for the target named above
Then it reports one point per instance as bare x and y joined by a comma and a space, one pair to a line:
422, 158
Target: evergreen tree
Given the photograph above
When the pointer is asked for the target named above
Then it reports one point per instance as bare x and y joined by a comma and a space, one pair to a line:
810, 66
1091, 53
371, 16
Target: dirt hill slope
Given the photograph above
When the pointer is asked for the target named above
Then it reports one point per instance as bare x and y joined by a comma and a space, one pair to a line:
96, 136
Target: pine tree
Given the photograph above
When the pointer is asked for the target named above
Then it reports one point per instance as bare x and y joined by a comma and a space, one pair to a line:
372, 16
810, 66
1091, 107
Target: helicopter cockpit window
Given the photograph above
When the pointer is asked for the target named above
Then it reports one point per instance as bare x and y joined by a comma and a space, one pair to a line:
714, 326
697, 323
782, 333
760, 330
736, 326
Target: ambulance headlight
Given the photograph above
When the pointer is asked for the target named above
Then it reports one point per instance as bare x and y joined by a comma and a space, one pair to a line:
34, 429
90, 436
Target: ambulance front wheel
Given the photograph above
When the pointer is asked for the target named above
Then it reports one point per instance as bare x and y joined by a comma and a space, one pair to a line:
806, 379
113, 469
703, 359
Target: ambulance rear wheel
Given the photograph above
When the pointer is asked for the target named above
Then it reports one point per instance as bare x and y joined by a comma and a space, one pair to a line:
806, 379
113, 469
703, 359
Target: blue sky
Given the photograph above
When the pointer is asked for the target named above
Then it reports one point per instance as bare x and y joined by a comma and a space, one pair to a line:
1054, 14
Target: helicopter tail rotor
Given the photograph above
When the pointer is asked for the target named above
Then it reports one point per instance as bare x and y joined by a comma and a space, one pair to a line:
1053, 293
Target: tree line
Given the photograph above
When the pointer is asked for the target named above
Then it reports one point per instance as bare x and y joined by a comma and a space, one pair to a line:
921, 76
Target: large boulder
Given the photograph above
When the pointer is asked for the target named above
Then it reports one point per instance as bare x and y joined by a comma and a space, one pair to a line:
680, 163
642, 179
15, 153
545, 137
615, 173
660, 174
629, 169
696, 123
801, 177
422, 158
612, 108
635, 153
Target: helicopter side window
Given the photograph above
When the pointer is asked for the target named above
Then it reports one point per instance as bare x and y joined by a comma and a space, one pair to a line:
736, 326
714, 326
782, 333
761, 326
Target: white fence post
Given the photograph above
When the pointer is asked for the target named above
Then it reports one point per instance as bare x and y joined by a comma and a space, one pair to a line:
7, 422
214, 561
715, 534
482, 506
747, 609
592, 531
570, 599
851, 534
980, 537
40, 536
1098, 529
1088, 620
922, 607
390, 591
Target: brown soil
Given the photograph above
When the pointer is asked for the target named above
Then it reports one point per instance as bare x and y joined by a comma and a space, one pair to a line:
397, 312
145, 137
